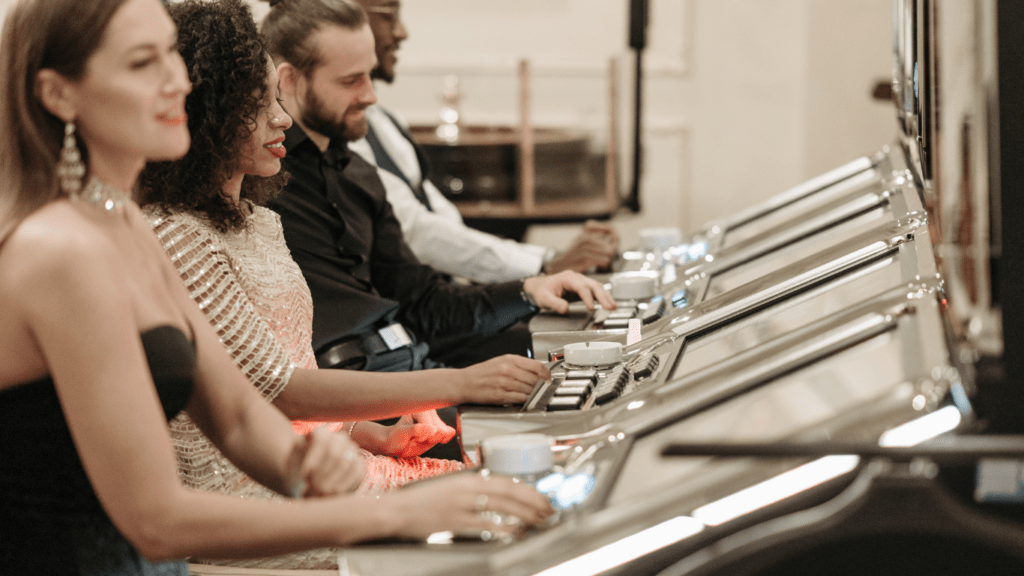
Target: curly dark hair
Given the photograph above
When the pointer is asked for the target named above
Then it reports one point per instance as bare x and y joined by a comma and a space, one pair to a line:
227, 64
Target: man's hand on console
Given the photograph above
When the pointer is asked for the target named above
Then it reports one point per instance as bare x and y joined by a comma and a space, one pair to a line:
547, 291
594, 247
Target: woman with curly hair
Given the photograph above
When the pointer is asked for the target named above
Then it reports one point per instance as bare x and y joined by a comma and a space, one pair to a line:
229, 250
102, 345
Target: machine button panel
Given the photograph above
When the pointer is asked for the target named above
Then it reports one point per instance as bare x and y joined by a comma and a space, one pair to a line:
646, 367
647, 313
611, 385
653, 312
573, 389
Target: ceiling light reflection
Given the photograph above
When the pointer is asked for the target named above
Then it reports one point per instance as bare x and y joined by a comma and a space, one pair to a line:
821, 470
924, 428
627, 549
772, 490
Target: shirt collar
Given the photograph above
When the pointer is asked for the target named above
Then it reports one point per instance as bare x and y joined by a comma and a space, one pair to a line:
337, 153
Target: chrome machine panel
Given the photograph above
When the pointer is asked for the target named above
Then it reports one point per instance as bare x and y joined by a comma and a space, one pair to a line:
875, 372
874, 202
674, 364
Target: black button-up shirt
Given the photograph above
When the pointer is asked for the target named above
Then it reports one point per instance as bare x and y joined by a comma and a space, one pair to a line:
342, 233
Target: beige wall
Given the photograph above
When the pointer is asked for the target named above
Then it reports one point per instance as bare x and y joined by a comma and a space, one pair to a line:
744, 98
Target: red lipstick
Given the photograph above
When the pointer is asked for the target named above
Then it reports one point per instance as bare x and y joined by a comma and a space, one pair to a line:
276, 148
173, 120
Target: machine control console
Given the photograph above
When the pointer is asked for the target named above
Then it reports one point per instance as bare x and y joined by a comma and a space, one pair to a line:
647, 313
575, 387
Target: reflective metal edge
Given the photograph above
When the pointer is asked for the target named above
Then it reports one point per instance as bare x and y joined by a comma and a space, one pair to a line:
799, 191
860, 202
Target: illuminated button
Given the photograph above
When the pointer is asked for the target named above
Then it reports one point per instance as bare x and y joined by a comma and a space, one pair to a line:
697, 250
616, 323
564, 390
581, 374
620, 314
565, 403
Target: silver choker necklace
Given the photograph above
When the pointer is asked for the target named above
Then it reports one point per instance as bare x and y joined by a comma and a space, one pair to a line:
105, 196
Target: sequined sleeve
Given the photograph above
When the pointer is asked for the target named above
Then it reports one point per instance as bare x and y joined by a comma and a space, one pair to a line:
207, 271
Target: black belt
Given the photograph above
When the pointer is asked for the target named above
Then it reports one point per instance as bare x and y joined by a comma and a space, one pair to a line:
351, 351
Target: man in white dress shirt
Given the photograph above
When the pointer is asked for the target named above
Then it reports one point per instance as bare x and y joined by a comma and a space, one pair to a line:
431, 224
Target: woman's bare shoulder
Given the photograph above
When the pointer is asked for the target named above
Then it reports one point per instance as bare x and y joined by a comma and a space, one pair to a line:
56, 247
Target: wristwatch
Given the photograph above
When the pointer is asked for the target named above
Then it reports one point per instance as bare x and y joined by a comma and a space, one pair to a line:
527, 298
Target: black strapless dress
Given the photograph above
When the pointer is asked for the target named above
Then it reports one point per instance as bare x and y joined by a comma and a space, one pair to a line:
51, 520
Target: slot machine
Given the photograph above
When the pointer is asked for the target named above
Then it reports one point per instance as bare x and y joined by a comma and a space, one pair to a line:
834, 210
799, 407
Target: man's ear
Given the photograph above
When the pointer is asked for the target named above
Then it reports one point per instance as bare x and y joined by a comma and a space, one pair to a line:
57, 94
289, 77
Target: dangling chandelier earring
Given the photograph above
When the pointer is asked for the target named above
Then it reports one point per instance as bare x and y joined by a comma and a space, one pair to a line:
70, 168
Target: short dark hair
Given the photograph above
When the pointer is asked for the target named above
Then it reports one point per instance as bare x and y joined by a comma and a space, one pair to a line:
60, 35
228, 66
290, 24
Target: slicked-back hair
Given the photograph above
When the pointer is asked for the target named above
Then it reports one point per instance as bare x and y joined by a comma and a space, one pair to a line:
228, 66
60, 35
290, 25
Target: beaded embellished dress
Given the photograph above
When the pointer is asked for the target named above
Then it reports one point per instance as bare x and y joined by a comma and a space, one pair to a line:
255, 297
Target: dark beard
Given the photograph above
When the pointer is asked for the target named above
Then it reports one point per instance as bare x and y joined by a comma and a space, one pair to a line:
315, 118
378, 73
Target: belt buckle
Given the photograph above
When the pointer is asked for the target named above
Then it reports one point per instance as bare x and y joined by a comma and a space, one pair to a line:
395, 336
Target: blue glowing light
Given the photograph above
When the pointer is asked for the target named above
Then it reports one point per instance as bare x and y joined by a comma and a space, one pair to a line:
574, 490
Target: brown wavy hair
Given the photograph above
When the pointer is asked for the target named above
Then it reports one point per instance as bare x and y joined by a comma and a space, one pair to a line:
291, 24
60, 35
227, 64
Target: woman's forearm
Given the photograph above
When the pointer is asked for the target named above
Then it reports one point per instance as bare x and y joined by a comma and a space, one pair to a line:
260, 444
337, 395
205, 525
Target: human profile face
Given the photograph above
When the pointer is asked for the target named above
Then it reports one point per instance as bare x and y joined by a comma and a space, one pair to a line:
262, 153
129, 105
388, 34
333, 98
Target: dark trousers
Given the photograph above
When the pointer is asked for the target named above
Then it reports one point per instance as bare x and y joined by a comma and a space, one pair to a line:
461, 351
